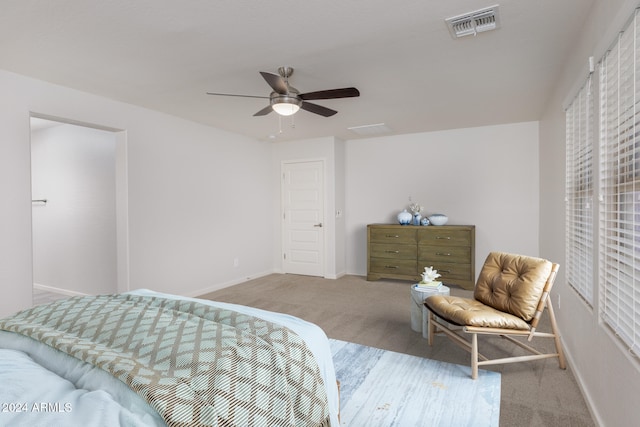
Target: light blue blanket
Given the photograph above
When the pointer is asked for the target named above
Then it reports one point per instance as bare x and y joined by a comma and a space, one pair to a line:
42, 386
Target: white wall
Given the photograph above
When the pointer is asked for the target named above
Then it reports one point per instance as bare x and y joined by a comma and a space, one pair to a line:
15, 198
486, 176
198, 199
339, 208
189, 213
74, 233
608, 375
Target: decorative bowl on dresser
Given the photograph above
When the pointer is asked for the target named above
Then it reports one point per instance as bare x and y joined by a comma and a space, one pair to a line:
402, 252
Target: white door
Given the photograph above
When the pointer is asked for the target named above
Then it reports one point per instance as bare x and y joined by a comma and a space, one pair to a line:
303, 218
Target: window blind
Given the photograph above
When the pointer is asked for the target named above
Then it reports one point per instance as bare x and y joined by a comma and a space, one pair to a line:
579, 192
619, 227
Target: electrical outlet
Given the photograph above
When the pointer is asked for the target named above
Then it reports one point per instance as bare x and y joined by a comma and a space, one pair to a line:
236, 262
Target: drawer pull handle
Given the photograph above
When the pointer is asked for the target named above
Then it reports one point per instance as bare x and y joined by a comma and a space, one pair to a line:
445, 271
443, 238
442, 254
391, 266
392, 252
395, 236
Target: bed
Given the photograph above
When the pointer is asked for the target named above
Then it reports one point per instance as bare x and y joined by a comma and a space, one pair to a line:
149, 359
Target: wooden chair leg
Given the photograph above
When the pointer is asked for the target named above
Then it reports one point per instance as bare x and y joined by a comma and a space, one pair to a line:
431, 325
474, 356
556, 335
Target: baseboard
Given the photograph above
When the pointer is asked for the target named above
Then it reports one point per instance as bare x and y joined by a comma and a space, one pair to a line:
335, 276
219, 286
67, 292
585, 393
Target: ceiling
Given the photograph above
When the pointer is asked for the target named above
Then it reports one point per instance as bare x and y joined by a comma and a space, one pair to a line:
412, 75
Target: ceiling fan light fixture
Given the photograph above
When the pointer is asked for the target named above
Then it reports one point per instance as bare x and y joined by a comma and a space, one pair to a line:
285, 105
286, 100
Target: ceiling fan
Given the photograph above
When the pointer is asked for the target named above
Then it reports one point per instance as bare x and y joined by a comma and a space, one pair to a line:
287, 100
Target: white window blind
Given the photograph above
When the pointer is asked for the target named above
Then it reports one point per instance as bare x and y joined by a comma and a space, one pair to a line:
620, 187
579, 193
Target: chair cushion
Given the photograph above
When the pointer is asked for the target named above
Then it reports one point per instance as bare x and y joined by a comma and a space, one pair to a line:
468, 312
512, 283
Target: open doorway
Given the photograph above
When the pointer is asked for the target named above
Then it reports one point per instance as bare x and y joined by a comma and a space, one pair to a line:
77, 228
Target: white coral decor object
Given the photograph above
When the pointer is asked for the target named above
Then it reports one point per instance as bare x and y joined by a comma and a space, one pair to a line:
429, 275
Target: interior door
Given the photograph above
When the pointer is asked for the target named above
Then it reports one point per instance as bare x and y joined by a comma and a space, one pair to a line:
303, 217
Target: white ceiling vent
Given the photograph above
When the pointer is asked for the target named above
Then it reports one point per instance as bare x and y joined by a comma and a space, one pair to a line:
472, 23
371, 130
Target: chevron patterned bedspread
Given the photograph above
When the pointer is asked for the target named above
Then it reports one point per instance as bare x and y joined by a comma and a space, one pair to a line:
196, 365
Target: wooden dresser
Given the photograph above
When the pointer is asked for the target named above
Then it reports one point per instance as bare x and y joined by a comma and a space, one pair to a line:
403, 251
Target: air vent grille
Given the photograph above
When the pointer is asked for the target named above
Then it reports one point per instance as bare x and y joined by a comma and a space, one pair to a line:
371, 130
472, 23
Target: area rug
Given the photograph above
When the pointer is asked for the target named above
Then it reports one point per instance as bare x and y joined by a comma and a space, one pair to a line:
383, 388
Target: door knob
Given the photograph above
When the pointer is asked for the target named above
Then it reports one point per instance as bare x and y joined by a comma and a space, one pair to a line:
318, 225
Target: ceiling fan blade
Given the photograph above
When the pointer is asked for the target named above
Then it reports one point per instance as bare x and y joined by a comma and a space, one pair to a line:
266, 110
243, 96
318, 109
278, 84
345, 92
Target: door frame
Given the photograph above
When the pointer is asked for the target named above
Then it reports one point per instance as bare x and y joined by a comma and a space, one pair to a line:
122, 195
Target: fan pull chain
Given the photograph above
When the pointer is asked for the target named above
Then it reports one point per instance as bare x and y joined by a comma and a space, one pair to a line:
292, 125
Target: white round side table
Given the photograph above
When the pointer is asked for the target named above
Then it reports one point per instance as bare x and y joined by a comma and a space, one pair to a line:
419, 313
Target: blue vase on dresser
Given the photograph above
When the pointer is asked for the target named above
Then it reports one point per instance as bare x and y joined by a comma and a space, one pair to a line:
416, 218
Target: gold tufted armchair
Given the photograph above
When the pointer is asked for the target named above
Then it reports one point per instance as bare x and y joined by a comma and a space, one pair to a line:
508, 300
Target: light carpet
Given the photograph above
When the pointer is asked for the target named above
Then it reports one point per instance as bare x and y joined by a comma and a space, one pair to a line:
384, 388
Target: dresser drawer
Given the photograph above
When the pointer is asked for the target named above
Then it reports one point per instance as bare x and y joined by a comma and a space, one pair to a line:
398, 251
393, 267
450, 273
448, 254
393, 235
445, 236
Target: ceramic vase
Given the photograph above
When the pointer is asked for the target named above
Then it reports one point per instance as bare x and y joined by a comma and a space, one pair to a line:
416, 218
404, 217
